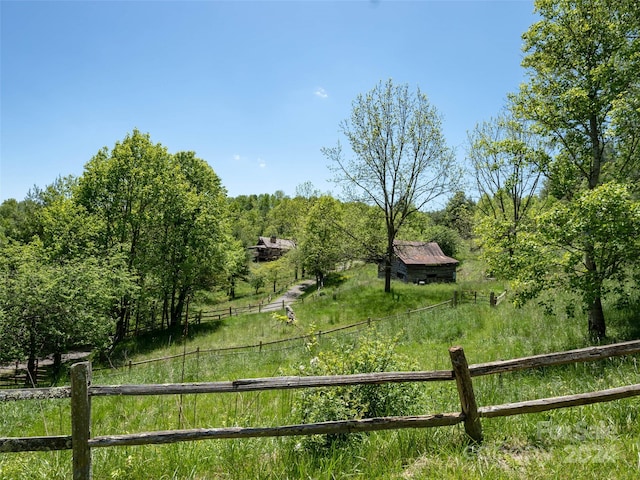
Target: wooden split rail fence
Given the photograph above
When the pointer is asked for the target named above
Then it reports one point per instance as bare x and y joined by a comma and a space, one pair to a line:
82, 392
18, 375
235, 311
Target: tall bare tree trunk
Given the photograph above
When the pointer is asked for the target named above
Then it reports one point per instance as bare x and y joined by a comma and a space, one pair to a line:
387, 274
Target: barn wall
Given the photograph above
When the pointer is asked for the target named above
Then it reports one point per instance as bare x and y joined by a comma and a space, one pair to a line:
421, 273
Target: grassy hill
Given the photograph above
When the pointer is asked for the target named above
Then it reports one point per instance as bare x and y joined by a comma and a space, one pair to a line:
598, 441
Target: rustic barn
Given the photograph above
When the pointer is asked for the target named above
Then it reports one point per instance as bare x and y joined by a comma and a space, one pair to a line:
271, 248
421, 262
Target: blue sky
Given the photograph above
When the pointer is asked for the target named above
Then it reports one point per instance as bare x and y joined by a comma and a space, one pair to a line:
254, 88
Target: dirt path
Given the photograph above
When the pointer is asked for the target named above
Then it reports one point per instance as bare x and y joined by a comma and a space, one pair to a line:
290, 296
45, 362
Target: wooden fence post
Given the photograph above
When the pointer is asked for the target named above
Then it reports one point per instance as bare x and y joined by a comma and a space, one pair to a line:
492, 299
472, 425
454, 300
81, 420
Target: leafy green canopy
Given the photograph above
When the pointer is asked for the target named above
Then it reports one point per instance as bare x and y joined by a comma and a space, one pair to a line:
583, 63
603, 224
167, 214
400, 159
50, 305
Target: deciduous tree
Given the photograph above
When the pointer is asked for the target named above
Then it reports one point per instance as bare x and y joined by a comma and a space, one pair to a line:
506, 157
400, 159
583, 64
322, 245
167, 214
52, 305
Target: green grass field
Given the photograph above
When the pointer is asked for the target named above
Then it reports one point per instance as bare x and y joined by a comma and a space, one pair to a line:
597, 441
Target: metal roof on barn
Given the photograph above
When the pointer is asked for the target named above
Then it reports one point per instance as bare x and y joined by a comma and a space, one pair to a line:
274, 242
421, 253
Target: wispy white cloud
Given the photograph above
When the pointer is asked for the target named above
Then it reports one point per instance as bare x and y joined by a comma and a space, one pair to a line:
243, 159
321, 92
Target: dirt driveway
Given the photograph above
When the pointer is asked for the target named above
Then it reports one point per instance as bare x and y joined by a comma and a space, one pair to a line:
289, 296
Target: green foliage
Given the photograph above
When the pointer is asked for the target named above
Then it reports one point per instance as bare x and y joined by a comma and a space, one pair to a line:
235, 267
506, 158
363, 231
583, 67
17, 220
168, 215
458, 215
264, 214
286, 218
603, 222
582, 94
447, 238
400, 158
275, 271
359, 401
322, 246
51, 306
257, 279
506, 252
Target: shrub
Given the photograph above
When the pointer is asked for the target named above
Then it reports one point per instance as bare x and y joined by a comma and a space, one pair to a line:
448, 239
357, 401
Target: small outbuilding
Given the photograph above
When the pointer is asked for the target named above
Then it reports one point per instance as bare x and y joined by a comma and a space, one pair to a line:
271, 248
421, 262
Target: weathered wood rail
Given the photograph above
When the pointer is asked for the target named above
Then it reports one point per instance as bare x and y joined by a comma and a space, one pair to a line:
19, 376
82, 391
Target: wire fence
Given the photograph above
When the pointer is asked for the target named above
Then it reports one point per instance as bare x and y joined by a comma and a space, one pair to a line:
298, 341
15, 378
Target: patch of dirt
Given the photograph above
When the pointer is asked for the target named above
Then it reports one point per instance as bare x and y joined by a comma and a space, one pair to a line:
290, 296
47, 361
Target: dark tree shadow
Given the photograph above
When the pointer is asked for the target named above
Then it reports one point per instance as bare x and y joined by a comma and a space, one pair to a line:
331, 280
158, 339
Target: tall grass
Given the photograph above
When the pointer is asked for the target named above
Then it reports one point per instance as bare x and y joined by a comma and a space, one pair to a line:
597, 441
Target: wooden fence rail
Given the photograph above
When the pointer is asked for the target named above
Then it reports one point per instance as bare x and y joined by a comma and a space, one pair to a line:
82, 391
19, 376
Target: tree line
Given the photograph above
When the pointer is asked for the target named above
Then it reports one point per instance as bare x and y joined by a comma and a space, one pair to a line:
555, 178
124, 247
127, 242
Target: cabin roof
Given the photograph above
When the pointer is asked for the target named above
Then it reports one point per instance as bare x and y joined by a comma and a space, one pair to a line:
421, 253
274, 242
